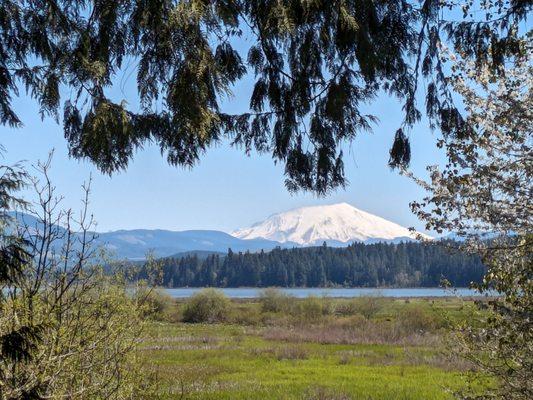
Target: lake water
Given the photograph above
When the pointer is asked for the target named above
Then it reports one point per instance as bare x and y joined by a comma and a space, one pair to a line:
249, 293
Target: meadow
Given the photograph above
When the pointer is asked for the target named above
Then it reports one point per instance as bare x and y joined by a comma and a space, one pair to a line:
277, 347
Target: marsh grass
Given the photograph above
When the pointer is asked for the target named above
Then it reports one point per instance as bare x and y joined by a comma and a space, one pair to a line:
289, 352
368, 307
324, 393
313, 348
368, 333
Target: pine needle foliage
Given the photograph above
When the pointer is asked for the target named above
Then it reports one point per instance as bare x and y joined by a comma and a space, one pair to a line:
314, 64
19, 342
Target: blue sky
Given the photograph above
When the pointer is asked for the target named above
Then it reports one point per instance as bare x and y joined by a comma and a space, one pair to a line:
227, 189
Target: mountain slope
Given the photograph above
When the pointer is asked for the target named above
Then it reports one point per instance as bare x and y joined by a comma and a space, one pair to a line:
336, 224
137, 243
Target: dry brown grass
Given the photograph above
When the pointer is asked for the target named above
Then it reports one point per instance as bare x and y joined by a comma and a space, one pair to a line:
365, 306
360, 332
447, 362
412, 356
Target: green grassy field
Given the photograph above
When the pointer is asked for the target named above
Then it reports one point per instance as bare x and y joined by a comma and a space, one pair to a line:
332, 354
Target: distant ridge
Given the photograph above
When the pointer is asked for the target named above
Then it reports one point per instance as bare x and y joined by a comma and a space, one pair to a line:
337, 225
135, 244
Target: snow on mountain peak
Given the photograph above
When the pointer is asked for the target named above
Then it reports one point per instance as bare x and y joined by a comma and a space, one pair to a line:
312, 225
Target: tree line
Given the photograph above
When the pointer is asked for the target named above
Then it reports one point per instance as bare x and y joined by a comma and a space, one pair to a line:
371, 265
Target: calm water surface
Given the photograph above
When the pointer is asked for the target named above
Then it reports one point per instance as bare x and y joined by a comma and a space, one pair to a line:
247, 293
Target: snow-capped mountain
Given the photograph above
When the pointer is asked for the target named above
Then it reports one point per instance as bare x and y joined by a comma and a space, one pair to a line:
336, 224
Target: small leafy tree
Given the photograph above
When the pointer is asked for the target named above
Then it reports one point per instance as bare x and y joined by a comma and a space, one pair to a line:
484, 195
87, 325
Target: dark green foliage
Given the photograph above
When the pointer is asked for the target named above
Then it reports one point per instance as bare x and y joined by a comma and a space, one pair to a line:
13, 249
18, 342
13, 258
400, 265
400, 153
314, 64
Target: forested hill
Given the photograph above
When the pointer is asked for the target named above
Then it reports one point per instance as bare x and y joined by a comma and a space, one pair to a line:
373, 265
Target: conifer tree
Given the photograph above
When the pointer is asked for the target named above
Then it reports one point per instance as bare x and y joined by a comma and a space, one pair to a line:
314, 63
18, 341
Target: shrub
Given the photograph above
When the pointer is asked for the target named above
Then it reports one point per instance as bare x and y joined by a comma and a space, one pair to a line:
208, 305
158, 305
418, 319
245, 314
274, 300
366, 306
309, 310
328, 306
67, 331
346, 308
